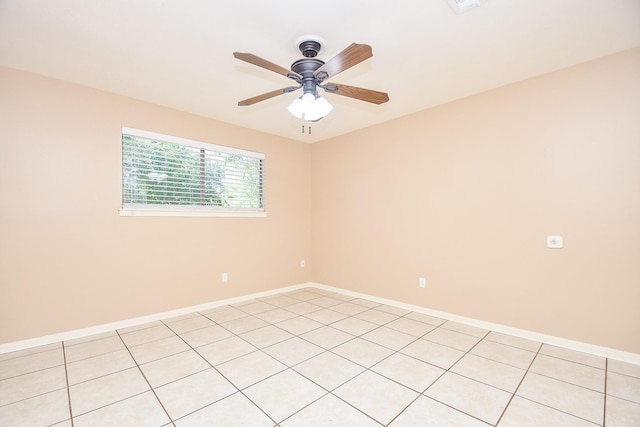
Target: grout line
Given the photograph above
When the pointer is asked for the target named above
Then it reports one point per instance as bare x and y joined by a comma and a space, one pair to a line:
147, 381
519, 384
66, 376
224, 376
606, 373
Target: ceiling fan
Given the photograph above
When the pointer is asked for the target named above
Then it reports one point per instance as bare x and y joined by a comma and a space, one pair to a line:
310, 73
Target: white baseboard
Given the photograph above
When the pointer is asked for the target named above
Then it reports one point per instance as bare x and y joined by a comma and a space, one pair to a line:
534, 336
522, 333
108, 327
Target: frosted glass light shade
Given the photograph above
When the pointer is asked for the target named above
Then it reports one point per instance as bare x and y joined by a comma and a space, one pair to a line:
309, 107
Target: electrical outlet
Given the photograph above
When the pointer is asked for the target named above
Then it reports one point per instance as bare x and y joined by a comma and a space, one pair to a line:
225, 277
422, 282
302, 264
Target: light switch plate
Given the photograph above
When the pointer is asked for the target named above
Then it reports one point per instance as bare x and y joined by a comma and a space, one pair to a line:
554, 242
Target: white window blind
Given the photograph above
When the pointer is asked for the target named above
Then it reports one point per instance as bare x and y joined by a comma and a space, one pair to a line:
167, 175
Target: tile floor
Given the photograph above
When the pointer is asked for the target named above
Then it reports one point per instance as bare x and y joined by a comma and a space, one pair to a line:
313, 358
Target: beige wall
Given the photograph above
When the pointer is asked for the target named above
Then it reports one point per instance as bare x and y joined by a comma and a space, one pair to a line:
466, 193
463, 194
69, 261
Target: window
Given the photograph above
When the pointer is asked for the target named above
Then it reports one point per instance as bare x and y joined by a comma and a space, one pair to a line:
169, 176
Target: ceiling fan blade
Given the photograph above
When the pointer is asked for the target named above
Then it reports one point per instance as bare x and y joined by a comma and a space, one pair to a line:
352, 55
267, 95
256, 60
367, 95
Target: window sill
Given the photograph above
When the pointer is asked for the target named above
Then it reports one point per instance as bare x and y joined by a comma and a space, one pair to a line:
191, 212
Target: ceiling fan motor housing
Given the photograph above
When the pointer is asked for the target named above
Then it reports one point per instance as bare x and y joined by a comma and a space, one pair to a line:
306, 67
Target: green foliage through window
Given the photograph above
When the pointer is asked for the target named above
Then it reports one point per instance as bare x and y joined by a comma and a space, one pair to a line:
160, 173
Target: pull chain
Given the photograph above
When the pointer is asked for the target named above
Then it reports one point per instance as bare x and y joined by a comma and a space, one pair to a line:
303, 127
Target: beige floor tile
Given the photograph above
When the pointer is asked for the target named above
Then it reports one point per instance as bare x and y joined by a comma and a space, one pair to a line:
623, 386
471, 397
349, 308
256, 307
224, 314
341, 297
504, 353
225, 350
354, 326
280, 300
103, 391
205, 336
139, 327
513, 341
622, 413
465, 329
172, 368
303, 295
275, 316
284, 394
329, 411
496, 374
98, 366
364, 302
326, 316
147, 335
233, 411
155, 350
376, 316
303, 308
266, 336
31, 363
326, 301
362, 352
299, 325
425, 318
293, 351
430, 352
244, 324
389, 338
29, 351
190, 324
426, 412
194, 392
525, 413
43, 410
69, 343
97, 347
329, 370
327, 337
571, 372
573, 356
32, 384
250, 368
623, 368
393, 310
452, 339
408, 371
411, 327
569, 398
142, 410
376, 396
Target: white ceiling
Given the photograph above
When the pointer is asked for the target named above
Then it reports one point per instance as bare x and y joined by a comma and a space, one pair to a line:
178, 53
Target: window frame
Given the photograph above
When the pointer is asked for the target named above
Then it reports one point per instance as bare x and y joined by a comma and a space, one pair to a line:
142, 210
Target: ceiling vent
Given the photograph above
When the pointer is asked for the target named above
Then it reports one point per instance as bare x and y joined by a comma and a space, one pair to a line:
460, 6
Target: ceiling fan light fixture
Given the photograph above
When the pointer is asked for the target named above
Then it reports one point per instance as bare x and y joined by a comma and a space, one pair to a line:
309, 107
